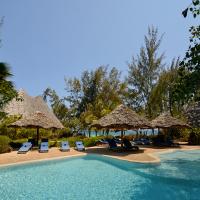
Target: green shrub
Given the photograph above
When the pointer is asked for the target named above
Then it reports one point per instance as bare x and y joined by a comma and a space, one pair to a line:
90, 142
4, 144
87, 141
194, 138
53, 143
184, 137
72, 140
63, 133
16, 144
129, 137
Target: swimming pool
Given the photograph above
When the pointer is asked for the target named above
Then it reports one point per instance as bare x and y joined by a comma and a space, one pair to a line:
98, 177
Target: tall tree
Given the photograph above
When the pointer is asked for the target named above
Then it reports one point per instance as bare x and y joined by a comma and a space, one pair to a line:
188, 87
58, 106
97, 92
7, 89
161, 97
144, 71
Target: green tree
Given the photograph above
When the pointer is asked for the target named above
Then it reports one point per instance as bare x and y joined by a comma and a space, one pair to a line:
161, 97
95, 94
188, 87
7, 89
58, 106
144, 71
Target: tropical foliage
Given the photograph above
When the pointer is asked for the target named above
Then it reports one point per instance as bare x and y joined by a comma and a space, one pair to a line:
7, 89
144, 72
188, 86
89, 98
151, 87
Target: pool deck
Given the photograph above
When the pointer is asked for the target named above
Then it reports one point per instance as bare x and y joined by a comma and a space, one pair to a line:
144, 155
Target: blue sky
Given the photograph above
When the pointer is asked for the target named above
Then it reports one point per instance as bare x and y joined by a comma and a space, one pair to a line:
46, 40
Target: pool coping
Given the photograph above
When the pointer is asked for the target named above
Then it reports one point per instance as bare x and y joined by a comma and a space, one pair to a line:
153, 155
41, 160
156, 159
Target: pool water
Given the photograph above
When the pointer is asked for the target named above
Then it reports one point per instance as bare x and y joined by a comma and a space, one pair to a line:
98, 177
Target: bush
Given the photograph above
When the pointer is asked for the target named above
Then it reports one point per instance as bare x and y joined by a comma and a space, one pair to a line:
72, 140
4, 144
53, 143
158, 139
66, 132
16, 144
87, 141
194, 138
129, 137
90, 142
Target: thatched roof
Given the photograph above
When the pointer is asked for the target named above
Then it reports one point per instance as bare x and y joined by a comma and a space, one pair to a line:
35, 120
122, 118
193, 115
165, 120
29, 106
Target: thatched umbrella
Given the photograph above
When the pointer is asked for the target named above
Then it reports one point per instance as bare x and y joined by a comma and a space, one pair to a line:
165, 120
122, 118
193, 115
37, 120
34, 111
28, 106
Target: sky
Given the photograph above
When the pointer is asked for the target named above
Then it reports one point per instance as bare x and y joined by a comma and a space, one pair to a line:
44, 41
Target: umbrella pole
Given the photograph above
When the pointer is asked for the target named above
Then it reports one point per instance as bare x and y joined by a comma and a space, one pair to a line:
37, 136
121, 137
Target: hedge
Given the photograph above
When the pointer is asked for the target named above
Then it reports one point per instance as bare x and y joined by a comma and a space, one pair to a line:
4, 144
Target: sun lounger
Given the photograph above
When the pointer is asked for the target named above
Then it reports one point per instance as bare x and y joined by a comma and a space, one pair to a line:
117, 140
44, 147
64, 146
102, 141
113, 145
142, 141
25, 147
79, 146
33, 142
128, 145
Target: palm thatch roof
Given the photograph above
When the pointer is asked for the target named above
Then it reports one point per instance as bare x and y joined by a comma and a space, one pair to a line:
165, 120
35, 120
28, 106
193, 115
122, 118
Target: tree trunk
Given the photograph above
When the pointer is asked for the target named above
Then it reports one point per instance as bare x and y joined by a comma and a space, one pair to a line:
170, 102
89, 132
37, 136
107, 132
121, 138
153, 131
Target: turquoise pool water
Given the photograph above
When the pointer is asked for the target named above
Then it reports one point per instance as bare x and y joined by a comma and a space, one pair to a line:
97, 177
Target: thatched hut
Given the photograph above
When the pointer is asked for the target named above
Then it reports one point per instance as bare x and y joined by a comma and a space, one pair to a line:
30, 105
34, 111
193, 115
165, 120
122, 118
36, 120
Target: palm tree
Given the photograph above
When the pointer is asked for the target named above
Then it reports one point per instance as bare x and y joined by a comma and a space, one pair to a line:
4, 71
7, 89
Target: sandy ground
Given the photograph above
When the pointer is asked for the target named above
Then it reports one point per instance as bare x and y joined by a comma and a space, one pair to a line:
144, 155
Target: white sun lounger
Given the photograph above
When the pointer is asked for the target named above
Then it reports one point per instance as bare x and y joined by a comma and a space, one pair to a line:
80, 146
64, 146
44, 147
25, 147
